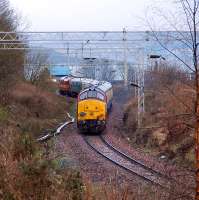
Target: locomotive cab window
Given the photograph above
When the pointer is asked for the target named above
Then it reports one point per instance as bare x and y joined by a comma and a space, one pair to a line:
100, 96
83, 96
92, 94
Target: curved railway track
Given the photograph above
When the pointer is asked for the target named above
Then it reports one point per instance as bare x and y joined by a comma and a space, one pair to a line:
133, 166
102, 147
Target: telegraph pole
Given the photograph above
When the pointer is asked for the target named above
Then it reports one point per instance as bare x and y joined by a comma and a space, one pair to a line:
82, 50
125, 59
141, 100
67, 52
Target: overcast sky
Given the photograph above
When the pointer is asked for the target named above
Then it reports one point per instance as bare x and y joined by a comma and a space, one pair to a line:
76, 15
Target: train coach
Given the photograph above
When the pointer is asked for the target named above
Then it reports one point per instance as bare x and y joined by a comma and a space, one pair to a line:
73, 85
93, 106
64, 85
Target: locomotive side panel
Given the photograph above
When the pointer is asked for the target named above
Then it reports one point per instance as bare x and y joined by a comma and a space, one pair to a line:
109, 96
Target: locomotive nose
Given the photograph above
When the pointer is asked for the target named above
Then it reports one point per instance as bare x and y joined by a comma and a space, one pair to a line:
91, 108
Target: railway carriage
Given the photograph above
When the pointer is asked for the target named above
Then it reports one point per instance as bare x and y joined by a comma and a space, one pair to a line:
93, 106
73, 85
64, 85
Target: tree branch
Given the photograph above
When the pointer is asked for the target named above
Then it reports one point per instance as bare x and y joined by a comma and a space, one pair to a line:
187, 19
163, 46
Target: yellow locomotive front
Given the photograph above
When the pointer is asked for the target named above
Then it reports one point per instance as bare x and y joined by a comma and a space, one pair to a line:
91, 111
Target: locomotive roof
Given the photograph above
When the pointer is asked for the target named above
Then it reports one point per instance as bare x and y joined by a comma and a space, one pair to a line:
85, 80
102, 86
64, 77
94, 82
105, 86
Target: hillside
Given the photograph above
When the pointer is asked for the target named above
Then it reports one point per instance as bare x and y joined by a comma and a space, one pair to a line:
25, 169
167, 127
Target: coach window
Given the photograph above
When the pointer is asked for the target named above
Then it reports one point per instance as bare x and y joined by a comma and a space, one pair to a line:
83, 96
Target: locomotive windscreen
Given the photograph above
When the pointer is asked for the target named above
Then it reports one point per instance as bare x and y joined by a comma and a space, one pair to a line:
92, 94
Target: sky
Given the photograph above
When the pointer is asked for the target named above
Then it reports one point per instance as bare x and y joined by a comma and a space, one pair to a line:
83, 15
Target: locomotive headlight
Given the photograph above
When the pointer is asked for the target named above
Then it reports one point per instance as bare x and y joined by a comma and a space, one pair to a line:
100, 122
103, 122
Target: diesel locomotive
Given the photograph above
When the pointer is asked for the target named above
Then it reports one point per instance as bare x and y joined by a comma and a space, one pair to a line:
93, 105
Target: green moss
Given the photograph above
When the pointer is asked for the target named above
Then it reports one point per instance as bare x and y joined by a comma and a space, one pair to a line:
24, 146
75, 185
190, 155
174, 147
67, 162
3, 114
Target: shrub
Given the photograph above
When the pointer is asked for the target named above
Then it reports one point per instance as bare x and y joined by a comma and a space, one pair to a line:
3, 114
11, 62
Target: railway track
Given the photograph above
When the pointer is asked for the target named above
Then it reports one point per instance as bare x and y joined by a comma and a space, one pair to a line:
135, 167
102, 147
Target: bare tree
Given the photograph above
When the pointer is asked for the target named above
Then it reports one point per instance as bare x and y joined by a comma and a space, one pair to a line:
131, 72
107, 72
189, 10
103, 72
88, 71
36, 63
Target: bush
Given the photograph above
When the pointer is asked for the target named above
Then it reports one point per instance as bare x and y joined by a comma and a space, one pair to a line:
11, 62
3, 114
168, 120
26, 174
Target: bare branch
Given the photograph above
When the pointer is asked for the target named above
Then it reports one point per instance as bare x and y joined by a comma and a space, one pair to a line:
163, 46
35, 65
197, 6
189, 6
180, 100
187, 19
187, 43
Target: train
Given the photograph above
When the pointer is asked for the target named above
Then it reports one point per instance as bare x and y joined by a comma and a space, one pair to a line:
72, 86
93, 105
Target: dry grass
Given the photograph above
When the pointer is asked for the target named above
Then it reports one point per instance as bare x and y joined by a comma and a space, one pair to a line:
40, 103
168, 123
36, 109
25, 173
111, 191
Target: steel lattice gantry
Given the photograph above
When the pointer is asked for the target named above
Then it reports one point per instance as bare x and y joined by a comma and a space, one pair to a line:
70, 36
11, 40
72, 41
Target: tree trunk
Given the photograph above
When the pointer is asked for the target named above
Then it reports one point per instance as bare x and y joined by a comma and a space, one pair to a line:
197, 137
197, 156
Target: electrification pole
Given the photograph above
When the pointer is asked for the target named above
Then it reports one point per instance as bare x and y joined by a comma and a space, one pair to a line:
82, 50
67, 52
125, 59
140, 78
